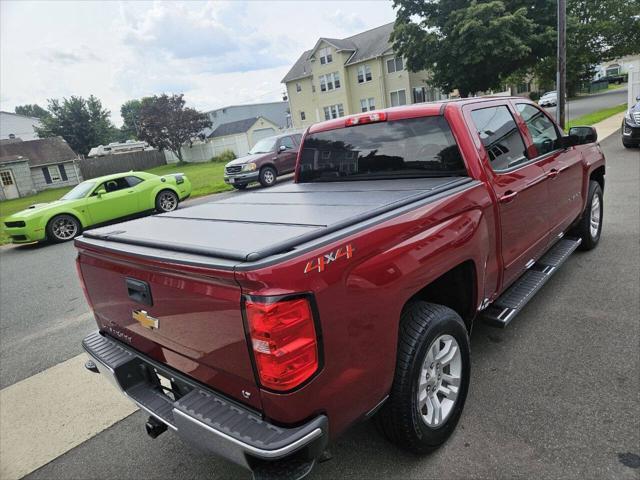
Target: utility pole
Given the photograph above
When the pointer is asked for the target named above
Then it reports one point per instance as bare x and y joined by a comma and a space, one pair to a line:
561, 78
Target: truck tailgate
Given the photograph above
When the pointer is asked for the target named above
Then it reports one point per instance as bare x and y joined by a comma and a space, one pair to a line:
199, 329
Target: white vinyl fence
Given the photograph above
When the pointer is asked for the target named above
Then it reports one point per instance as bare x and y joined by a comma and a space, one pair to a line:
203, 152
633, 89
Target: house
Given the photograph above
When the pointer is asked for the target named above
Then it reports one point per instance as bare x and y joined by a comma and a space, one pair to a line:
241, 135
238, 136
28, 167
275, 112
14, 126
355, 74
618, 66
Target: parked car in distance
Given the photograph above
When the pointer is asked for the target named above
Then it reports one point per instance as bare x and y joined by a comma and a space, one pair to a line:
549, 99
97, 201
269, 158
262, 326
631, 126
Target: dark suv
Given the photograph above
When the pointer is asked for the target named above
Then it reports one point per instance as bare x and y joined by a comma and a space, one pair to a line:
270, 157
631, 126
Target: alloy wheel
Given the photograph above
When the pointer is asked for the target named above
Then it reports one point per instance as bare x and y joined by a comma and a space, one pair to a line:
439, 381
64, 228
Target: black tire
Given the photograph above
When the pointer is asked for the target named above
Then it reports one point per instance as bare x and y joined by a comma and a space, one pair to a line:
240, 186
583, 228
167, 201
268, 176
399, 418
63, 228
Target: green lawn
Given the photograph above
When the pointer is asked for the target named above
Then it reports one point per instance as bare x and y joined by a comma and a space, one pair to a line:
598, 116
206, 178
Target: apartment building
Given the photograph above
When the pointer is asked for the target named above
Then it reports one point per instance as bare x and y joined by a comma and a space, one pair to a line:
340, 77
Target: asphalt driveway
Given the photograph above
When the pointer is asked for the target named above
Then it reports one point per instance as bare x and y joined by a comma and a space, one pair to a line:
555, 395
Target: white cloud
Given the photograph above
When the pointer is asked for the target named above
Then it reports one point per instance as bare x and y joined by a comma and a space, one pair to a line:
216, 53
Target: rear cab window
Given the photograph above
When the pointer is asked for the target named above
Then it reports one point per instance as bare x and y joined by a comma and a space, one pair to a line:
406, 148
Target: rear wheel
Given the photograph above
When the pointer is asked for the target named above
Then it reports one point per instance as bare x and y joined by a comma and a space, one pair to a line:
268, 176
431, 379
590, 226
62, 228
166, 201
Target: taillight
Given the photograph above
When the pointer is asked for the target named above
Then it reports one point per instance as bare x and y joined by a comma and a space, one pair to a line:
84, 287
284, 342
367, 118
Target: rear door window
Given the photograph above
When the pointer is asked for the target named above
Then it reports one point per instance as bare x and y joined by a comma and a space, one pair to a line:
543, 131
409, 148
500, 137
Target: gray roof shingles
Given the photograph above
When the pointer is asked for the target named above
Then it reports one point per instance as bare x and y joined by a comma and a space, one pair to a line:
231, 128
370, 44
42, 151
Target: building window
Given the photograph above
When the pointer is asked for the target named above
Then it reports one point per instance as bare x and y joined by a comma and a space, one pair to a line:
329, 81
333, 111
325, 55
419, 95
364, 73
399, 97
303, 116
298, 87
54, 173
367, 104
395, 65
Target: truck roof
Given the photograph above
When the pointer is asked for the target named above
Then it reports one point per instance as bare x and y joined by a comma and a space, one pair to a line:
411, 111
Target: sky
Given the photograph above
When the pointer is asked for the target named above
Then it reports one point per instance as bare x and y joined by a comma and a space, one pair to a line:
216, 53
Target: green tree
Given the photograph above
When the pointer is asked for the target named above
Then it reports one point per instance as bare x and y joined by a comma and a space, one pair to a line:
478, 45
83, 123
130, 113
597, 31
471, 46
165, 123
31, 110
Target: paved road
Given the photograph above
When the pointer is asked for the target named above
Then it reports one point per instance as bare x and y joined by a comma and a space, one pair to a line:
591, 103
553, 396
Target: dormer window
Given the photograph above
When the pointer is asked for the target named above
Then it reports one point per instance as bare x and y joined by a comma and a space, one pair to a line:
325, 55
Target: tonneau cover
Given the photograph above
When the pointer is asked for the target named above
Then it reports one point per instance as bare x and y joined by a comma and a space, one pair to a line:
254, 225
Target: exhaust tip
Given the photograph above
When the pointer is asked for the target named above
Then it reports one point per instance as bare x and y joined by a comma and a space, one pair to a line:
155, 427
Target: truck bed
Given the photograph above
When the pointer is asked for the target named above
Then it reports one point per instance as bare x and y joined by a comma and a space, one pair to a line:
256, 225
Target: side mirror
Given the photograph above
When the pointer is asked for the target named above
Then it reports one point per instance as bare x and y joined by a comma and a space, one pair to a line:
584, 134
282, 148
101, 192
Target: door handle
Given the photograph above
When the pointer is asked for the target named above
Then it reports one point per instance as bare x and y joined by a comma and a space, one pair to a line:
509, 196
553, 173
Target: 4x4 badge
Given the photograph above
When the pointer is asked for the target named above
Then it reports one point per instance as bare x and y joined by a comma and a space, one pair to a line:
320, 263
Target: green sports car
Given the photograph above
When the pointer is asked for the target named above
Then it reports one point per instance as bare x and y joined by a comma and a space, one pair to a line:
97, 201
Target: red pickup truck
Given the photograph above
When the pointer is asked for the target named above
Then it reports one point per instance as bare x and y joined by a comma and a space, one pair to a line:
261, 326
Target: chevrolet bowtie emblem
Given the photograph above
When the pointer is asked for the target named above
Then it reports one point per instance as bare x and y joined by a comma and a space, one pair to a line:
144, 319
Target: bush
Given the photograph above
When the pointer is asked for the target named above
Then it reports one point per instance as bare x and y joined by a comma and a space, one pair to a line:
225, 156
534, 96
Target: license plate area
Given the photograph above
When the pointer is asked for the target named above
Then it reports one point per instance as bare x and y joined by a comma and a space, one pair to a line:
232, 180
